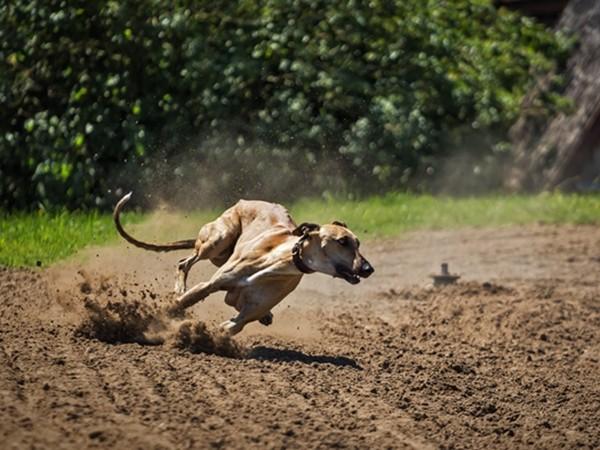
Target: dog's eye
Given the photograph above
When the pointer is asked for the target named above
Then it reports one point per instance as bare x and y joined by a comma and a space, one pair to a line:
343, 241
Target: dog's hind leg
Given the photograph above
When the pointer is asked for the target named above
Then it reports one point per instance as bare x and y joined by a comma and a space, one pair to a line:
215, 242
183, 268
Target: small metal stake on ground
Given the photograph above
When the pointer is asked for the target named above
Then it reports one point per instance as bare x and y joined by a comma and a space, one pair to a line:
445, 277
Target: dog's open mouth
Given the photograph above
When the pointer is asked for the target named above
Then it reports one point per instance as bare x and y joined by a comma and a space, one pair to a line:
347, 275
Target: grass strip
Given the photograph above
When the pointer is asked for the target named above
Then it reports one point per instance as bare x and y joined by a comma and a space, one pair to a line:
34, 239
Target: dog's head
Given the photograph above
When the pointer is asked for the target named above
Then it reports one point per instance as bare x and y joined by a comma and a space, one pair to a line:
333, 249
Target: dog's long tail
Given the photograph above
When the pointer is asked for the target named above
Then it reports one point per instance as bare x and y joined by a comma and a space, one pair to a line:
177, 245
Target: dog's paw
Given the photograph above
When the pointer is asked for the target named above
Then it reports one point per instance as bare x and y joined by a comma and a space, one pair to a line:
230, 327
179, 288
267, 319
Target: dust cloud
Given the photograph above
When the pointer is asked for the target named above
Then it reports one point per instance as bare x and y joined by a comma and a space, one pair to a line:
116, 315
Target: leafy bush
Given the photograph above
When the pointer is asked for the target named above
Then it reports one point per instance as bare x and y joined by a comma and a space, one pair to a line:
95, 93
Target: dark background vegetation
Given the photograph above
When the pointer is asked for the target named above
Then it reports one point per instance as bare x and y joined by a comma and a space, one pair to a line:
275, 98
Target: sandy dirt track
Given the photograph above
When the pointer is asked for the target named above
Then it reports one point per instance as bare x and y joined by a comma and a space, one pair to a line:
508, 358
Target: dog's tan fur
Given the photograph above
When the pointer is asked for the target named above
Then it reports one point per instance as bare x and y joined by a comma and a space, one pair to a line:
252, 244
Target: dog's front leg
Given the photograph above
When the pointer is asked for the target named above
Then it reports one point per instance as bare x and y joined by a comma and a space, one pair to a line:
278, 270
237, 324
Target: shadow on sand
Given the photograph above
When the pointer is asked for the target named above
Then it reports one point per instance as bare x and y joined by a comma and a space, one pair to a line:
286, 355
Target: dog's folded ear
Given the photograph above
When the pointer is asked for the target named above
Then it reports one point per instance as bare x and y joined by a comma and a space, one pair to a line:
339, 224
305, 228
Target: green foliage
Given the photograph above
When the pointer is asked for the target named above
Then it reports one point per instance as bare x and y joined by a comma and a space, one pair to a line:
92, 90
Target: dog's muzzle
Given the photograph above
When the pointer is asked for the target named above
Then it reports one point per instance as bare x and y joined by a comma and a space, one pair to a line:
353, 277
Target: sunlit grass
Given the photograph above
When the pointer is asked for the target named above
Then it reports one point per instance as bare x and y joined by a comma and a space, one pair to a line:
41, 239
394, 213
26, 239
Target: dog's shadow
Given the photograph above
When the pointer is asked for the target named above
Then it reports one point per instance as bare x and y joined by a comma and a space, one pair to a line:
287, 355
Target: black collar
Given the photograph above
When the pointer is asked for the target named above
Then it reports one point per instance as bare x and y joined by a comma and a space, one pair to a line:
297, 256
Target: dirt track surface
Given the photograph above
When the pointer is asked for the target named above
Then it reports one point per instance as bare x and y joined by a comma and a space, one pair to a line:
508, 358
